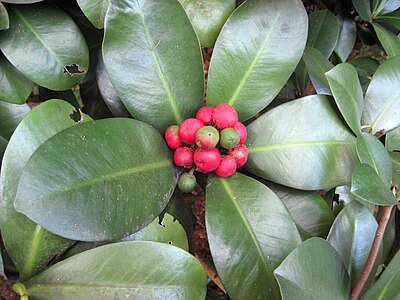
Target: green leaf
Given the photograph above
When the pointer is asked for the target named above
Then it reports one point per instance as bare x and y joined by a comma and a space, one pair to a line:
2, 267
368, 185
95, 11
352, 235
208, 17
387, 286
363, 8
45, 45
308, 209
29, 245
134, 270
304, 274
366, 67
392, 19
169, 86
248, 239
382, 100
317, 65
167, 230
257, 51
385, 7
372, 152
4, 20
323, 31
14, 87
347, 92
302, 144
10, 116
347, 37
389, 40
99, 180
395, 159
392, 140
21, 1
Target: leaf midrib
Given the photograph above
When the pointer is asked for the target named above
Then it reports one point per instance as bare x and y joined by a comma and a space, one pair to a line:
252, 66
274, 147
93, 287
385, 108
37, 237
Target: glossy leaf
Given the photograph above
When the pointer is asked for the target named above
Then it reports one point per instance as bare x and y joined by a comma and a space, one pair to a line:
44, 43
95, 11
389, 40
372, 152
387, 286
2, 267
385, 7
368, 185
393, 19
168, 231
208, 17
10, 116
108, 92
347, 92
156, 69
309, 210
134, 270
363, 8
21, 1
29, 245
257, 51
248, 239
395, 159
352, 235
317, 65
382, 100
323, 31
392, 140
4, 20
366, 67
302, 144
98, 181
303, 275
14, 87
347, 37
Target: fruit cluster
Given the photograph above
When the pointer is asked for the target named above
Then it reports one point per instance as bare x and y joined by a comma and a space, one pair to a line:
213, 141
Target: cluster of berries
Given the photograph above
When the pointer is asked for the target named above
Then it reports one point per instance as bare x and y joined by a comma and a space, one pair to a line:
213, 141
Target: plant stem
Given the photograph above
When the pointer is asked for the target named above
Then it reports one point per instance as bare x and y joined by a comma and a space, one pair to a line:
359, 286
77, 93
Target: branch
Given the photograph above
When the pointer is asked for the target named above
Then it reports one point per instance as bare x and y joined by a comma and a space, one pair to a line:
359, 286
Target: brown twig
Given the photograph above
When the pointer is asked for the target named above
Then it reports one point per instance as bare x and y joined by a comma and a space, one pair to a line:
359, 286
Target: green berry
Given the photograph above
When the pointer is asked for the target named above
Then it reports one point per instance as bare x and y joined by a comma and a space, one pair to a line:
186, 182
207, 137
229, 138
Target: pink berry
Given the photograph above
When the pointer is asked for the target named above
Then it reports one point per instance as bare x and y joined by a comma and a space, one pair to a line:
227, 166
240, 154
183, 157
172, 137
187, 130
204, 114
225, 116
207, 137
241, 129
206, 160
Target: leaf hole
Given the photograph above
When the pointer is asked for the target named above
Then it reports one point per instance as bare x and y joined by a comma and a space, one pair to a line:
73, 69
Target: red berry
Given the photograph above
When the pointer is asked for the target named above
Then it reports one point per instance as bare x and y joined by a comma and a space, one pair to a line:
204, 114
206, 160
225, 116
241, 129
227, 166
172, 137
207, 137
240, 154
187, 130
183, 157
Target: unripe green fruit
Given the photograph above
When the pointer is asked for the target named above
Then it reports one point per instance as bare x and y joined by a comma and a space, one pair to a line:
207, 137
186, 182
229, 138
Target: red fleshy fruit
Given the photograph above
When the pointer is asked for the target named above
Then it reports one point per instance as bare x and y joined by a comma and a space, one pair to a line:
206, 160
225, 116
172, 137
240, 154
227, 166
204, 114
187, 130
241, 129
207, 137
183, 157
